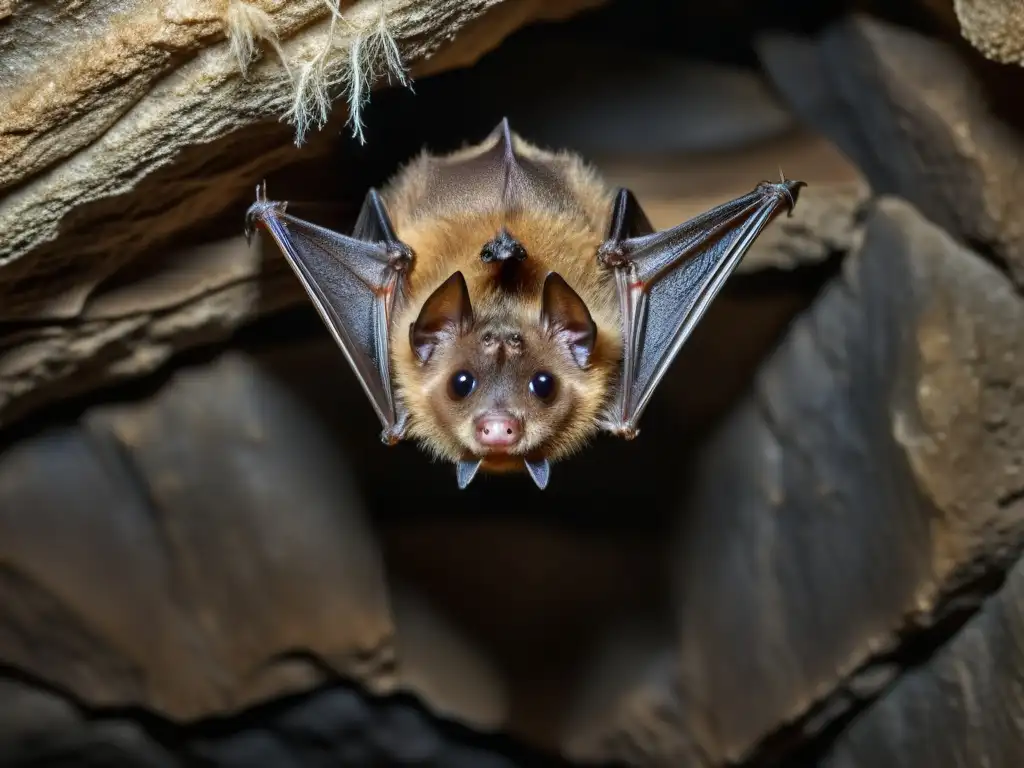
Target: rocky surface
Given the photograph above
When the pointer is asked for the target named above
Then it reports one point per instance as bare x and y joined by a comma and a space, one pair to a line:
871, 481
236, 528
336, 726
994, 27
917, 121
963, 707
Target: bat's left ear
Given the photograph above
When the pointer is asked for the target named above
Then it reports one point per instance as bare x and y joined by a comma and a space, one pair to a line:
564, 315
446, 314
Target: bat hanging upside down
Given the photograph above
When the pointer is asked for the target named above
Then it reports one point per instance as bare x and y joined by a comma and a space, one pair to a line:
502, 305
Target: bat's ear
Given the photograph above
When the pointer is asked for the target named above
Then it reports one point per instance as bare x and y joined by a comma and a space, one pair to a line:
447, 314
564, 314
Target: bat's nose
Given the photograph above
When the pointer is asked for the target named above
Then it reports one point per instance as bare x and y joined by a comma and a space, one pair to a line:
498, 430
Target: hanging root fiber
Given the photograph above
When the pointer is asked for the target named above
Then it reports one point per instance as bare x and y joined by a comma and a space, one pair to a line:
372, 53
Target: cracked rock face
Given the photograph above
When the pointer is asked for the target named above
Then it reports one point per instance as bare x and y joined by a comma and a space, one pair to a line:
942, 707
136, 469
42, 728
873, 475
916, 120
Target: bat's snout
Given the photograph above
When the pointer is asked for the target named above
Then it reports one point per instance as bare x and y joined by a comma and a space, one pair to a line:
498, 430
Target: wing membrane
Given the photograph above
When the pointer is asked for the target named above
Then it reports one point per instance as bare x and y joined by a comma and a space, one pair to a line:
355, 284
667, 280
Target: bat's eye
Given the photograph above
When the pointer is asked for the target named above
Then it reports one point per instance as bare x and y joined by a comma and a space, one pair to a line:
543, 385
461, 385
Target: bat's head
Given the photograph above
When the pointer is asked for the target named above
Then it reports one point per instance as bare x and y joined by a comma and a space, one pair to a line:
508, 384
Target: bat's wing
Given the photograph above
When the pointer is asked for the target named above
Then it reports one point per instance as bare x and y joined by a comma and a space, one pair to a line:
356, 284
666, 281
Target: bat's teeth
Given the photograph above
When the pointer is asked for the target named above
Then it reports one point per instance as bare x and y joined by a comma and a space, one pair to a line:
465, 471
540, 471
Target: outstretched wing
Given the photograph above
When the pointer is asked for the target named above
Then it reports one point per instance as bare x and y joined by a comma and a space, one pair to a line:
666, 281
356, 284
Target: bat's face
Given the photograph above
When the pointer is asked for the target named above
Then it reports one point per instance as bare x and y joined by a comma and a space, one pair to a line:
505, 389
505, 386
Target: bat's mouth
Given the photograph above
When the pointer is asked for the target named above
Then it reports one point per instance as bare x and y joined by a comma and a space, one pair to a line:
501, 462
496, 455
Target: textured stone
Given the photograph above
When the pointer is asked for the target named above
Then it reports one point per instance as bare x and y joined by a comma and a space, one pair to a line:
443, 666
874, 473
918, 122
335, 727
994, 27
962, 706
194, 553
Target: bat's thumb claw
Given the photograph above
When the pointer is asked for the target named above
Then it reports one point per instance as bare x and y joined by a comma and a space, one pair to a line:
250, 215
792, 188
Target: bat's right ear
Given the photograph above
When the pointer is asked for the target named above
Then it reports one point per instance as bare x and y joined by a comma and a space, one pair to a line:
565, 315
447, 314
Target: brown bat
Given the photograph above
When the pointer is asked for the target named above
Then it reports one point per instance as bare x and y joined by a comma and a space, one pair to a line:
502, 305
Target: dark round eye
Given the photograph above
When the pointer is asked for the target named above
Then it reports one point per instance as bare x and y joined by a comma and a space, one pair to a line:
461, 385
542, 385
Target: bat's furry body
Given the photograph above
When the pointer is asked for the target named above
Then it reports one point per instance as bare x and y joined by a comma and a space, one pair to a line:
559, 235
501, 304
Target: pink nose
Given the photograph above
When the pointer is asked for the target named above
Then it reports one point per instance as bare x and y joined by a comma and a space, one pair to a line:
498, 430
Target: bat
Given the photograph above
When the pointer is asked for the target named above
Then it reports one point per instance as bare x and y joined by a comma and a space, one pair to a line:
501, 305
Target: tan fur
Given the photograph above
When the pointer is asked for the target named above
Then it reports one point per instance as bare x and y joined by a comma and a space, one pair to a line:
446, 238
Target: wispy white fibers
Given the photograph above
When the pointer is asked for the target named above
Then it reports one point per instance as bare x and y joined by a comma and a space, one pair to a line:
373, 53
246, 25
